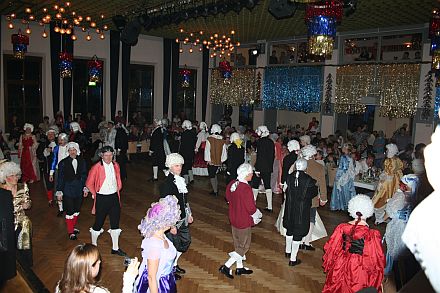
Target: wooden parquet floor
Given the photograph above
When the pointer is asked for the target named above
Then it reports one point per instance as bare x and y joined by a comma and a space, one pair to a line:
211, 241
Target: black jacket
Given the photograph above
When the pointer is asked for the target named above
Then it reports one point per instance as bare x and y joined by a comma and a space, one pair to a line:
235, 159
288, 161
265, 155
170, 188
298, 203
121, 140
7, 236
187, 146
69, 182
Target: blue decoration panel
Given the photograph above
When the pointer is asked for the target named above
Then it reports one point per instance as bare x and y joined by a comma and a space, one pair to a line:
437, 103
293, 88
322, 26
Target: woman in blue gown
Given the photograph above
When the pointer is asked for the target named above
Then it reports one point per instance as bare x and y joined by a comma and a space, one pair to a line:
343, 187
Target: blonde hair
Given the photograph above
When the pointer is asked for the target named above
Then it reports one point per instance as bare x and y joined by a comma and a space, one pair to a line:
77, 276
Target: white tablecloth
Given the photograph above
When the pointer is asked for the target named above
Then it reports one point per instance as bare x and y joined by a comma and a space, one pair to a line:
370, 186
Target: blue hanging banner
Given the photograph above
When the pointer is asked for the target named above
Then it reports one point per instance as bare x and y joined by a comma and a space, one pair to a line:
322, 26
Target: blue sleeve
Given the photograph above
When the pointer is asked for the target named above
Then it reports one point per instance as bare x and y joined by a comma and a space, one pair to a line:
55, 158
60, 177
344, 163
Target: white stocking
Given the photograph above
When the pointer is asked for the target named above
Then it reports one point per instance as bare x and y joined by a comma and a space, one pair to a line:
295, 247
191, 175
269, 198
255, 192
177, 258
155, 170
289, 240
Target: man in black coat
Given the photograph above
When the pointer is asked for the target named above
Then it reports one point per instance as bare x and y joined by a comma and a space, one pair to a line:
175, 185
157, 149
71, 181
301, 189
187, 147
45, 155
264, 165
293, 147
121, 147
236, 153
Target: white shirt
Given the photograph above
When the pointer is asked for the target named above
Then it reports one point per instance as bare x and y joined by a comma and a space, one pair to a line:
109, 186
75, 164
62, 154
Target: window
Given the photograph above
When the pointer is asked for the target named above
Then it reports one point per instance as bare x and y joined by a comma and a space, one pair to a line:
360, 49
22, 81
86, 98
186, 97
292, 53
403, 48
140, 95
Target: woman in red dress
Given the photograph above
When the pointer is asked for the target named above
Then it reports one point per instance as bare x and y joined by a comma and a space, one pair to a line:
354, 257
27, 152
200, 167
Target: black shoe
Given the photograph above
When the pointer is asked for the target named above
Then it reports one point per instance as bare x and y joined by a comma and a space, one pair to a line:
73, 236
75, 231
177, 277
268, 210
226, 271
243, 271
213, 193
153, 179
60, 214
287, 254
191, 182
294, 263
179, 270
119, 252
306, 247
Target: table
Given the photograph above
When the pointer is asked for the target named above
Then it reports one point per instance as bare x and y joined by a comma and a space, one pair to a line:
361, 184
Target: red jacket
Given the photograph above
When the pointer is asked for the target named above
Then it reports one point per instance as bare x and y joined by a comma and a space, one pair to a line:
241, 205
96, 179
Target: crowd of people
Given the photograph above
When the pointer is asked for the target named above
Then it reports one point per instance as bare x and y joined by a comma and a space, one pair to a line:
293, 161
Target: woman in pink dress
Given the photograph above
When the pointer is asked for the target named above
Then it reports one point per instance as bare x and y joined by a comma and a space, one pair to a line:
27, 152
200, 167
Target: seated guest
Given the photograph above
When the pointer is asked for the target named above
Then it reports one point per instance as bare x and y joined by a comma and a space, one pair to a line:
362, 166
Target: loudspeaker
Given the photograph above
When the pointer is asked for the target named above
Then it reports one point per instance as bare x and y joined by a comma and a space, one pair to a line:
281, 9
131, 32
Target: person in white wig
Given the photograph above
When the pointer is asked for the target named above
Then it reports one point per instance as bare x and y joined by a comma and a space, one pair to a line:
46, 155
174, 184
157, 149
421, 235
304, 140
27, 152
59, 153
354, 258
110, 136
243, 214
388, 183
215, 155
71, 182
265, 149
187, 145
200, 168
236, 156
77, 135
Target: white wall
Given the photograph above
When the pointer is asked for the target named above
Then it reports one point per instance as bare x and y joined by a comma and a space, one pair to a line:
292, 118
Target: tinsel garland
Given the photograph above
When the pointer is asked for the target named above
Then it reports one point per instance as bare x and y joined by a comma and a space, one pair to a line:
352, 83
293, 88
242, 89
330, 8
66, 64
427, 96
19, 44
328, 94
437, 103
399, 89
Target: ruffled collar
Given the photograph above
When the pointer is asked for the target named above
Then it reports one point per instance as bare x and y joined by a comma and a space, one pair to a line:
180, 183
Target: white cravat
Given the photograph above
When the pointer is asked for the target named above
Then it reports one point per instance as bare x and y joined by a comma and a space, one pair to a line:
109, 186
75, 164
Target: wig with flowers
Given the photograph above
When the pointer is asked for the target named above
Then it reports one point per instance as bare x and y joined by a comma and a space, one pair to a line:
161, 215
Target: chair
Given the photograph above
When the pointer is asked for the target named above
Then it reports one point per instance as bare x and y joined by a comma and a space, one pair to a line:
145, 146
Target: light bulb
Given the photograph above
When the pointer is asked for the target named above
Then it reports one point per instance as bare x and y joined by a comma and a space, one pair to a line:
28, 10
200, 49
62, 31
28, 30
88, 18
56, 29
68, 4
102, 16
93, 24
80, 18
201, 32
88, 37
55, 7
83, 29
58, 15
73, 37
44, 35
11, 25
45, 10
238, 44
31, 17
105, 27
65, 21
61, 10
190, 50
13, 15
73, 13
181, 30
215, 36
102, 37
180, 50
68, 31
98, 31
232, 32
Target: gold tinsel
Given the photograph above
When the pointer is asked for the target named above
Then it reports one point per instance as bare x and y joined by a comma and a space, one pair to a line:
321, 45
241, 89
399, 89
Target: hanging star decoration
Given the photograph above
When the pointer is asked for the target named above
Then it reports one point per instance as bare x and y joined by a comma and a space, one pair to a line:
186, 77
66, 64
95, 69
226, 69
19, 44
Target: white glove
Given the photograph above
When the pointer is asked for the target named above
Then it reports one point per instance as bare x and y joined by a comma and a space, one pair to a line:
257, 217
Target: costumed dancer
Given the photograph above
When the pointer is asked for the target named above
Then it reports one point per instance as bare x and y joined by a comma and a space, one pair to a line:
174, 184
27, 152
421, 235
243, 214
188, 141
72, 175
215, 154
45, 154
343, 187
59, 153
304, 140
275, 180
288, 161
9, 175
121, 146
399, 210
7, 240
236, 156
200, 167
354, 258
77, 135
158, 252
265, 150
104, 183
388, 183
110, 135
301, 189
157, 149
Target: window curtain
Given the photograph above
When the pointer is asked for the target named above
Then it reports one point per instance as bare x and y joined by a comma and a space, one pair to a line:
175, 54
126, 52
114, 70
55, 49
167, 43
205, 76
67, 82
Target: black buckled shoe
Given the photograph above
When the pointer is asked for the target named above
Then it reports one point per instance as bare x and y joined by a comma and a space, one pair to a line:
179, 270
243, 271
177, 277
75, 231
60, 214
287, 254
119, 252
268, 210
73, 236
307, 247
294, 263
226, 271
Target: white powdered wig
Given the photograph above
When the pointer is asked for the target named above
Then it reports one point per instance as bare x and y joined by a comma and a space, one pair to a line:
216, 129
234, 136
174, 159
418, 166
301, 165
53, 129
28, 125
293, 145
243, 171
157, 122
187, 125
75, 127
203, 126
362, 204
392, 150
262, 131
64, 137
7, 169
74, 145
308, 151
305, 139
